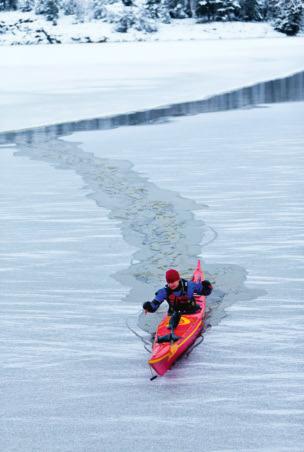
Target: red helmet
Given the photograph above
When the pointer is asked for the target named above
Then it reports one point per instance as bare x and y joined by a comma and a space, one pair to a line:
172, 276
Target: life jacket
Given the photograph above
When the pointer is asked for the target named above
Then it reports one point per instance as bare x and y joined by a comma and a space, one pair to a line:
180, 302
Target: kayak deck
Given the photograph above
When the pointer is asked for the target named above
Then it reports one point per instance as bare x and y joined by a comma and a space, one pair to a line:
165, 354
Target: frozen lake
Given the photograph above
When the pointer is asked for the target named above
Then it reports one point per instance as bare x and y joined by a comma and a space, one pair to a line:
73, 377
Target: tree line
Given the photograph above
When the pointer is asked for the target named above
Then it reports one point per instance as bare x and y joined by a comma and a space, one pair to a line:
287, 16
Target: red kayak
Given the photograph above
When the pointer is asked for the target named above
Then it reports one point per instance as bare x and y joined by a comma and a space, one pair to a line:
189, 328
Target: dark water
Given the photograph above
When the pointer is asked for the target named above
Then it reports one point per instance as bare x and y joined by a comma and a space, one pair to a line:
288, 89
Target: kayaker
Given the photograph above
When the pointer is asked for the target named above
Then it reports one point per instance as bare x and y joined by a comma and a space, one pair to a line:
180, 295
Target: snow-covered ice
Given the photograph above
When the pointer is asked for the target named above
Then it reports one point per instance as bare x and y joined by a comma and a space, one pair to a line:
53, 84
68, 386
250, 175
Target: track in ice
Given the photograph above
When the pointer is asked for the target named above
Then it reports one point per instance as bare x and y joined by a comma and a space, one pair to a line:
158, 222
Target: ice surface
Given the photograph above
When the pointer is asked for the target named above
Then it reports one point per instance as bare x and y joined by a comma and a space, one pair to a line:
74, 378
285, 89
250, 175
58, 250
71, 82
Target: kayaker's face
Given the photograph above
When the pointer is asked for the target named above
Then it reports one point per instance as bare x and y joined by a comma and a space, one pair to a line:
173, 285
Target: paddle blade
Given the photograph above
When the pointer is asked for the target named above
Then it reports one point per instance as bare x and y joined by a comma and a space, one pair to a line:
198, 274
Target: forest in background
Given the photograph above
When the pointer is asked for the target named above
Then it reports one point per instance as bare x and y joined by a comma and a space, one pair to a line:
286, 16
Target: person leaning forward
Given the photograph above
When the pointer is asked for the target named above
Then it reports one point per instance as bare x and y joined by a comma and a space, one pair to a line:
180, 295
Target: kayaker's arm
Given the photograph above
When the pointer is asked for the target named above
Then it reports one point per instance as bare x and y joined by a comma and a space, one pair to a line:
152, 306
204, 288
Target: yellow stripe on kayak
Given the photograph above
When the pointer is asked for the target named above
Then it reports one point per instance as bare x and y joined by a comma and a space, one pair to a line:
176, 347
183, 321
179, 345
152, 361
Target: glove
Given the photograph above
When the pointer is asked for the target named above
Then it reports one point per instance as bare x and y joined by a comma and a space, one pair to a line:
207, 287
148, 306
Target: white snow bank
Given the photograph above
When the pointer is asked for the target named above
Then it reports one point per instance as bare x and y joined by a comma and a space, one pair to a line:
69, 30
51, 84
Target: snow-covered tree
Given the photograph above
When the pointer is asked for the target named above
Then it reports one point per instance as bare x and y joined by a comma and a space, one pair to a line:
209, 10
49, 8
136, 18
26, 5
98, 9
8, 4
252, 10
84, 10
68, 7
271, 9
158, 9
179, 9
229, 10
289, 16
193, 7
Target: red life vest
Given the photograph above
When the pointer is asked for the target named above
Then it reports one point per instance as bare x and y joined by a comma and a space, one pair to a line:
182, 301
178, 299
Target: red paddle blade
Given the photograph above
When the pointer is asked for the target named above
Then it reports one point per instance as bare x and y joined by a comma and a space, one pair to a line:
198, 274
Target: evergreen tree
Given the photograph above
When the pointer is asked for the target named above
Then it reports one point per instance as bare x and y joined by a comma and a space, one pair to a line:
98, 9
289, 16
271, 8
179, 9
52, 10
49, 8
6, 5
222, 10
158, 9
229, 10
68, 7
26, 5
136, 18
192, 7
81, 11
252, 10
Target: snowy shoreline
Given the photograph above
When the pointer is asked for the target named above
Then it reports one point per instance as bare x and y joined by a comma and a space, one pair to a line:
21, 28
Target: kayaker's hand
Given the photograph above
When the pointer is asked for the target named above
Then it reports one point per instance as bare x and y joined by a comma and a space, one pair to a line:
148, 306
207, 287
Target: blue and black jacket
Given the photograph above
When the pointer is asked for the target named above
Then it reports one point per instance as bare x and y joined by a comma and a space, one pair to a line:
182, 298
